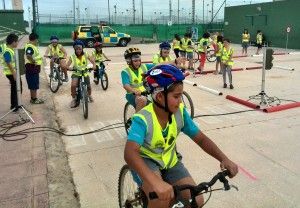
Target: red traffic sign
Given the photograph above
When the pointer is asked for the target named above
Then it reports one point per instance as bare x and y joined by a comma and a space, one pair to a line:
288, 29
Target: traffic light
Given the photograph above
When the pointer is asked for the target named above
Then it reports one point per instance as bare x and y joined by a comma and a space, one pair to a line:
269, 58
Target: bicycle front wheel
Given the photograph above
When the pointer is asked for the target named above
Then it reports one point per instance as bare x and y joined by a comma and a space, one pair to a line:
188, 103
211, 56
129, 193
127, 114
104, 81
54, 81
85, 102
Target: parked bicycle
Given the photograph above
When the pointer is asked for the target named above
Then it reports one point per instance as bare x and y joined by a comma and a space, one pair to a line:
82, 92
129, 110
131, 195
101, 75
56, 74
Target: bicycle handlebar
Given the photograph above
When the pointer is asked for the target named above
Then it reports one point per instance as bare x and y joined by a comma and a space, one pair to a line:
196, 190
144, 93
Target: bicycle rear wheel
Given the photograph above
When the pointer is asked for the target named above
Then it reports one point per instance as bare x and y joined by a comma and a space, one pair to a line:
127, 114
104, 81
55, 80
129, 193
188, 103
85, 101
211, 56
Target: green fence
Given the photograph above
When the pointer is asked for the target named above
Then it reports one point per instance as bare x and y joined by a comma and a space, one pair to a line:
150, 31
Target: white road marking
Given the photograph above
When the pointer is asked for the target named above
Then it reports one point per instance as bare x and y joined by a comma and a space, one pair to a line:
74, 141
101, 136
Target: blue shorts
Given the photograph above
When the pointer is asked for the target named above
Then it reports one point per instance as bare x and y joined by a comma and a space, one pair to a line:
33, 81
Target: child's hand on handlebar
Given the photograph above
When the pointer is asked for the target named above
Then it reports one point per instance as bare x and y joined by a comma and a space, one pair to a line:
231, 166
163, 190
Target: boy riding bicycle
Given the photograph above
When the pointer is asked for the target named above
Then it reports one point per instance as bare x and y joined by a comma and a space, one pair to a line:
151, 146
56, 50
99, 57
80, 63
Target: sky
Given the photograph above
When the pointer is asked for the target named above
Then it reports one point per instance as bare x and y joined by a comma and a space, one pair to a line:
152, 8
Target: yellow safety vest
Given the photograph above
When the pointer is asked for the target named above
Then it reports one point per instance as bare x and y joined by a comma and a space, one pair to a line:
98, 57
220, 48
245, 38
176, 44
226, 56
189, 48
157, 147
36, 54
6, 69
56, 51
80, 64
2, 47
201, 47
158, 59
259, 38
183, 45
136, 81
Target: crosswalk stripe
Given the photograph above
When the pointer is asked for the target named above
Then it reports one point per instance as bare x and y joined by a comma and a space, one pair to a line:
74, 141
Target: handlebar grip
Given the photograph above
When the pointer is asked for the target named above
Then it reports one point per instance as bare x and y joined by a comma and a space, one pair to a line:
226, 172
153, 195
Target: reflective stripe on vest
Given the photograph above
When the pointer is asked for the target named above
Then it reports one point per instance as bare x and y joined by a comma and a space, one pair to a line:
220, 48
201, 47
158, 59
245, 38
13, 61
2, 47
136, 81
56, 51
98, 56
36, 54
79, 64
226, 56
155, 146
189, 48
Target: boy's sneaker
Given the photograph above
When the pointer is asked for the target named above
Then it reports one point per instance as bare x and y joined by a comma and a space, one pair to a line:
73, 103
91, 99
66, 79
225, 85
36, 101
231, 86
96, 80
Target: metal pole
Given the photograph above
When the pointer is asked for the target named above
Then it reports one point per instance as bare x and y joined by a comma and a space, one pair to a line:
203, 11
193, 12
108, 11
33, 14
287, 40
170, 10
133, 7
4, 4
115, 7
74, 12
263, 81
212, 10
142, 5
177, 11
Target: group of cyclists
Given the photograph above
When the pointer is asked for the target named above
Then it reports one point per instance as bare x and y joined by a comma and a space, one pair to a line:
151, 145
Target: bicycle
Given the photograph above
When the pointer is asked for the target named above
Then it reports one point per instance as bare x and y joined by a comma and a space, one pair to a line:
129, 110
102, 75
131, 195
82, 92
56, 74
210, 55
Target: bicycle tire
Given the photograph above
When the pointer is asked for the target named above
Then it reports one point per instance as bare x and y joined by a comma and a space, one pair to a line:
135, 197
61, 75
104, 81
55, 78
85, 106
211, 56
197, 58
127, 114
188, 103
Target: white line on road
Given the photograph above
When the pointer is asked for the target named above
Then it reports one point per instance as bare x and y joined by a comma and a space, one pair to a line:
101, 136
74, 141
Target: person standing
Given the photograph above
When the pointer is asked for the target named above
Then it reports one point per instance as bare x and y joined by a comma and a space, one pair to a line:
218, 51
33, 62
227, 62
176, 45
259, 38
245, 41
202, 49
9, 68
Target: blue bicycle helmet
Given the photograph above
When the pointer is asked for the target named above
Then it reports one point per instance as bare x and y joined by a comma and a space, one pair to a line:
53, 37
165, 45
163, 76
78, 42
